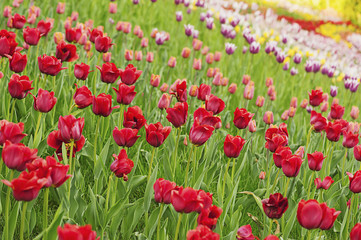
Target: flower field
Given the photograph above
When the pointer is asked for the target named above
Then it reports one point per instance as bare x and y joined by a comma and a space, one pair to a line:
177, 119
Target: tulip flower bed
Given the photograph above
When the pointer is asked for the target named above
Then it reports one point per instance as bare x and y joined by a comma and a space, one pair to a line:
167, 120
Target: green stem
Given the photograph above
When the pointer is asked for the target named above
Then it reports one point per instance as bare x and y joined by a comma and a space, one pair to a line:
95, 76
7, 207
187, 168
121, 113
310, 184
286, 188
45, 213
330, 161
108, 193
178, 226
270, 227
37, 126
23, 217
350, 212
275, 181
71, 163
150, 164
159, 217
225, 177
12, 110
195, 165
233, 169
343, 165
95, 150
115, 191
175, 152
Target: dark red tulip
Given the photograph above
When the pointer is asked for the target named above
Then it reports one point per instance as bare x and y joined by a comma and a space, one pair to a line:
280, 154
206, 118
45, 101
318, 122
209, 216
325, 184
12, 132
350, 139
44, 27
133, 118
203, 91
130, 74
7, 43
200, 133
178, 114
337, 111
328, 217
202, 233
19, 86
245, 233
180, 91
56, 141
18, 21
50, 65
233, 145
27, 186
109, 72
291, 166
355, 233
276, 137
31, 36
156, 133
125, 94
125, 137
16, 155
355, 181
315, 97
73, 34
315, 160
271, 237
17, 62
76, 232
83, 97
275, 206
66, 52
103, 43
70, 128
163, 190
102, 105
214, 104
81, 71
186, 200
122, 165
94, 34
333, 131
242, 117
357, 152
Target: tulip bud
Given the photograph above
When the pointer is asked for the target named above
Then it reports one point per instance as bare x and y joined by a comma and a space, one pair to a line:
58, 37
138, 55
293, 102
164, 101
128, 55
268, 117
252, 127
193, 91
260, 101
209, 58
164, 87
304, 103
291, 112
197, 44
107, 57
246, 79
144, 42
285, 115
185, 142
197, 64
248, 91
217, 56
324, 107
232, 88
269, 82
154, 80
150, 57
60, 9
172, 62
112, 8
7, 12
205, 50
186, 52
210, 72
333, 91
354, 112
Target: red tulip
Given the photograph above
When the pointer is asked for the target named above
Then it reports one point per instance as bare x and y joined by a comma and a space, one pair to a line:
125, 137
315, 161
214, 104
333, 131
180, 91
19, 86
12, 132
202, 233
245, 233
163, 190
109, 72
122, 165
200, 133
73, 34
242, 117
27, 186
45, 101
355, 181
276, 137
31, 36
44, 27
233, 145
275, 206
186, 200
49, 65
66, 52
203, 91
102, 105
77, 232
125, 94
130, 74
94, 34
133, 118
83, 97
271, 237
315, 97
291, 166
178, 114
357, 152
16, 155
70, 128
355, 233
318, 122
337, 111
209, 216
18, 21
81, 71
156, 134
7, 43
17, 62
280, 154
206, 118
103, 43
349, 139
56, 141
325, 184
164, 101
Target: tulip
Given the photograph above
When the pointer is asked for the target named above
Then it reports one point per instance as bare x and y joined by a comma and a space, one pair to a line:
60, 8
12, 132
291, 166
230, 48
186, 52
163, 190
78, 232
103, 43
19, 86
178, 114
285, 115
217, 79
17, 62
197, 64
333, 131
150, 57
49, 65
300, 151
203, 91
275, 206
122, 165
354, 112
112, 8
125, 137
44, 27
130, 74
260, 101
350, 139
208, 217
233, 145
56, 141
318, 122
186, 200
133, 118
109, 72
16, 155
31, 35
280, 154
357, 152
58, 37
200, 133
73, 34
315, 160
315, 97
172, 62
7, 12
179, 90
125, 94
83, 97
18, 21
102, 105
94, 34
197, 44
81, 71
248, 91
193, 91
66, 52
337, 111
214, 104
252, 127
156, 134
164, 101
246, 79
242, 117
268, 117
107, 57
355, 233
355, 179
291, 112
202, 232
245, 233
276, 137
70, 128
210, 58
45, 101
271, 237
325, 184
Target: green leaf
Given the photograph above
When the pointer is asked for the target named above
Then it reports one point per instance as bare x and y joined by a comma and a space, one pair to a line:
148, 195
